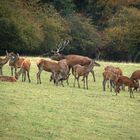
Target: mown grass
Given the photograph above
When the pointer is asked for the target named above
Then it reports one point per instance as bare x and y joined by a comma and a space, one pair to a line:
46, 112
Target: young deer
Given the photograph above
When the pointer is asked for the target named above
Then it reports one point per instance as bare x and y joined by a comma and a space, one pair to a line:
25, 68
131, 83
15, 62
111, 77
112, 71
84, 71
8, 79
52, 66
3, 61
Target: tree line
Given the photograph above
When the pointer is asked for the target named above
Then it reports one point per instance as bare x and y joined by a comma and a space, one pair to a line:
101, 29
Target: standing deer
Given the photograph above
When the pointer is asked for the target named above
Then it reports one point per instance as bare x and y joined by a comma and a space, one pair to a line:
111, 74
71, 59
55, 67
3, 61
111, 77
25, 68
136, 76
15, 62
84, 71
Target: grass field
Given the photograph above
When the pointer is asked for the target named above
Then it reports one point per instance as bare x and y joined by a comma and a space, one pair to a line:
46, 112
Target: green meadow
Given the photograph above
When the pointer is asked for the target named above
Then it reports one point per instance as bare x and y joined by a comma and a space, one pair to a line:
31, 111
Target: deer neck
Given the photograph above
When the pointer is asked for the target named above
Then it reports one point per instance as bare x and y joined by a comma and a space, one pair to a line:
18, 73
4, 60
90, 66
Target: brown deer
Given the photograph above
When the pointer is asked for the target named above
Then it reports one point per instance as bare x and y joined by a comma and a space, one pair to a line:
136, 75
52, 66
25, 68
71, 59
8, 79
15, 62
131, 83
84, 71
111, 77
112, 71
63, 73
115, 70
3, 61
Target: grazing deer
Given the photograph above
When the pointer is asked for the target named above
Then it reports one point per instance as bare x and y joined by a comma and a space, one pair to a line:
52, 66
84, 71
8, 79
15, 63
3, 61
131, 83
71, 59
25, 68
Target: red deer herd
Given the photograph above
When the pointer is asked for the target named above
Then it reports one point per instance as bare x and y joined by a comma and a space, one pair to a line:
59, 66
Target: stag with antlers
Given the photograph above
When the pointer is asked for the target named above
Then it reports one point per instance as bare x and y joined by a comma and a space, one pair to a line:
71, 59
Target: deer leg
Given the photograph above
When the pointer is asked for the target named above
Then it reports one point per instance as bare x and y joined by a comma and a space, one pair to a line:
78, 81
12, 71
22, 77
131, 93
15, 70
62, 83
116, 90
67, 81
83, 82
93, 74
74, 81
111, 84
108, 84
68, 76
51, 77
28, 74
87, 81
104, 83
38, 76
0, 71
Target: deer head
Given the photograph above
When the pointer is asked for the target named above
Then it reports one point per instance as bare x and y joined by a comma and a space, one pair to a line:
13, 58
96, 64
56, 53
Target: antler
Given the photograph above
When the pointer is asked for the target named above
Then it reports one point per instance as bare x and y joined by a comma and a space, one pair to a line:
61, 46
65, 43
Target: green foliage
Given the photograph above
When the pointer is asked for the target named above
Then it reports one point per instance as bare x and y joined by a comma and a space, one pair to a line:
124, 32
84, 35
23, 34
65, 7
